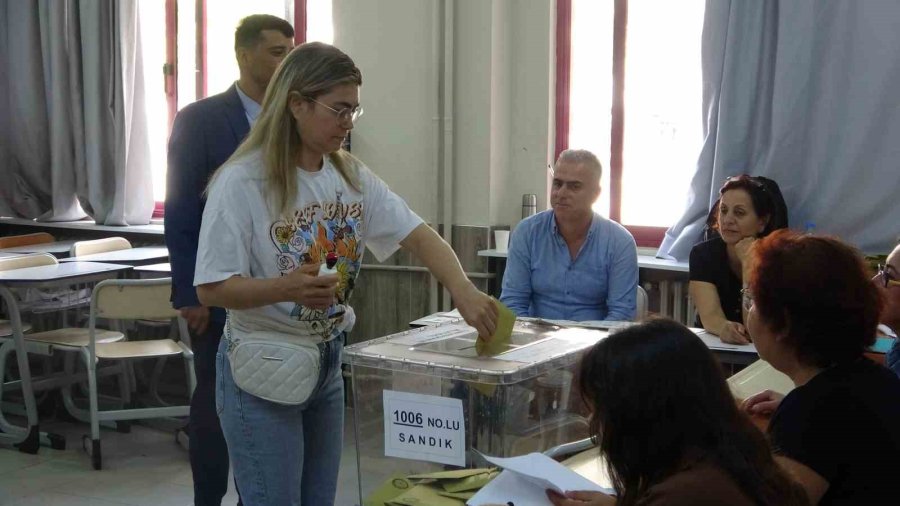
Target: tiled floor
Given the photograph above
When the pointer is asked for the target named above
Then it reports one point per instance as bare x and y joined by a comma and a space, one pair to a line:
144, 467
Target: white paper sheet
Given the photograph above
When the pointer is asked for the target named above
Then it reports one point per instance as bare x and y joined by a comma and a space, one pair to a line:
525, 480
714, 343
510, 487
452, 314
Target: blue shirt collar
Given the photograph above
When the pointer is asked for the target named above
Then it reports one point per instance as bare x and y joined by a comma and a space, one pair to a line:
595, 222
251, 108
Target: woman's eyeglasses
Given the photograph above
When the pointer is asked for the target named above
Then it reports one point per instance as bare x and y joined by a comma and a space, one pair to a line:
344, 115
886, 277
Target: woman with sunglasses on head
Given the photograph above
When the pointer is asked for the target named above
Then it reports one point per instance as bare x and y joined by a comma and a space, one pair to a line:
748, 208
669, 429
812, 313
285, 225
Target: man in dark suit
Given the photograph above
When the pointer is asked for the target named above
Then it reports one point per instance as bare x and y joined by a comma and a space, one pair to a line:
204, 135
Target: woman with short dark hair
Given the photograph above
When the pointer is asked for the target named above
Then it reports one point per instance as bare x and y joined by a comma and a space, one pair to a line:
812, 312
668, 427
749, 207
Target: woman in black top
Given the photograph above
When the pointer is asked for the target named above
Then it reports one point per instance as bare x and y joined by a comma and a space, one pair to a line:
812, 312
748, 208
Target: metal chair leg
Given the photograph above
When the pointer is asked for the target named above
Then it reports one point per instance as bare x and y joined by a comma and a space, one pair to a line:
30, 433
95, 415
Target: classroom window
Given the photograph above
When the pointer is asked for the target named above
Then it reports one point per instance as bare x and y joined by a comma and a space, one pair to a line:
188, 54
634, 98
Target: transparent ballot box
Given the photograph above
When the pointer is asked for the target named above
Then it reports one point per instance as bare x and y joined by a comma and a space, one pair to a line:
425, 401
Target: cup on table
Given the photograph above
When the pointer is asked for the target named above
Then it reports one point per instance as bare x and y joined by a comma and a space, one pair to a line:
501, 240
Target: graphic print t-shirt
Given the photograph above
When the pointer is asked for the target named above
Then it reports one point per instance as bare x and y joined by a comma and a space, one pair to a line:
240, 237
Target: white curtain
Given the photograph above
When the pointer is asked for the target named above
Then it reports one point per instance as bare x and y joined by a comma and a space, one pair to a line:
73, 129
806, 92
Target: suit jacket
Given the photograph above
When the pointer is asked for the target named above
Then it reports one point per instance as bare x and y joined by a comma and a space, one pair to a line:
204, 135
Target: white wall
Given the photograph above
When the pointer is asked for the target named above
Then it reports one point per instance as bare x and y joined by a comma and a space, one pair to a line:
502, 96
532, 118
390, 41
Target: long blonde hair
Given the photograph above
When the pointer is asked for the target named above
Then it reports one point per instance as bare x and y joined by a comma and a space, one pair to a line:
311, 69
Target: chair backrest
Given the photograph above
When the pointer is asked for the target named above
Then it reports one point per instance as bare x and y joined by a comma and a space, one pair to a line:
82, 248
23, 261
25, 240
641, 298
133, 299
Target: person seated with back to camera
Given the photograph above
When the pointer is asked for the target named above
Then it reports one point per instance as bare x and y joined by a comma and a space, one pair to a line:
748, 208
812, 312
670, 434
569, 262
887, 282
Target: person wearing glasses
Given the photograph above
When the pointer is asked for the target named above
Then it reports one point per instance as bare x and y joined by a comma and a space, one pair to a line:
570, 263
204, 134
748, 208
287, 200
887, 281
812, 312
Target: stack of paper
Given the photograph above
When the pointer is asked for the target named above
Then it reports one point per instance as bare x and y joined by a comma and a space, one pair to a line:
442, 488
713, 342
525, 480
759, 376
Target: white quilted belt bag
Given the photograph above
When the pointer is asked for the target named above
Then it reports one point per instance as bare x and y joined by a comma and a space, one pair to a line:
272, 364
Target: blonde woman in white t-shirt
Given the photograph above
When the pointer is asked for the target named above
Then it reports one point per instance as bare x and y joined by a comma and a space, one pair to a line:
286, 200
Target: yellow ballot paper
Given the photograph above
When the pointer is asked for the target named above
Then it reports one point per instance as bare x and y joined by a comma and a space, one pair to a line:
424, 495
473, 482
441, 488
459, 480
499, 342
456, 474
393, 487
465, 496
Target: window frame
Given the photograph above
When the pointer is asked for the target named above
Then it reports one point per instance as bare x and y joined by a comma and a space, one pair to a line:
170, 68
644, 236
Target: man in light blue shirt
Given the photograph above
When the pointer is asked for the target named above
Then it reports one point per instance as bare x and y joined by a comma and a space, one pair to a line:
569, 262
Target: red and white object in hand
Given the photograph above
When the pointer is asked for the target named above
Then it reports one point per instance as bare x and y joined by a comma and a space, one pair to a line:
328, 267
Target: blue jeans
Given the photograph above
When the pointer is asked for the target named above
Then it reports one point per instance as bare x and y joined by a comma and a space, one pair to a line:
284, 455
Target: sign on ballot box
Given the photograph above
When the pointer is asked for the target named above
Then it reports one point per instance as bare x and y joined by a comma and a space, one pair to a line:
424, 427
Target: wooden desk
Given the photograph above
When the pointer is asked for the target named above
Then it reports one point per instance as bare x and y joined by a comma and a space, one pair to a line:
45, 276
133, 256
57, 249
